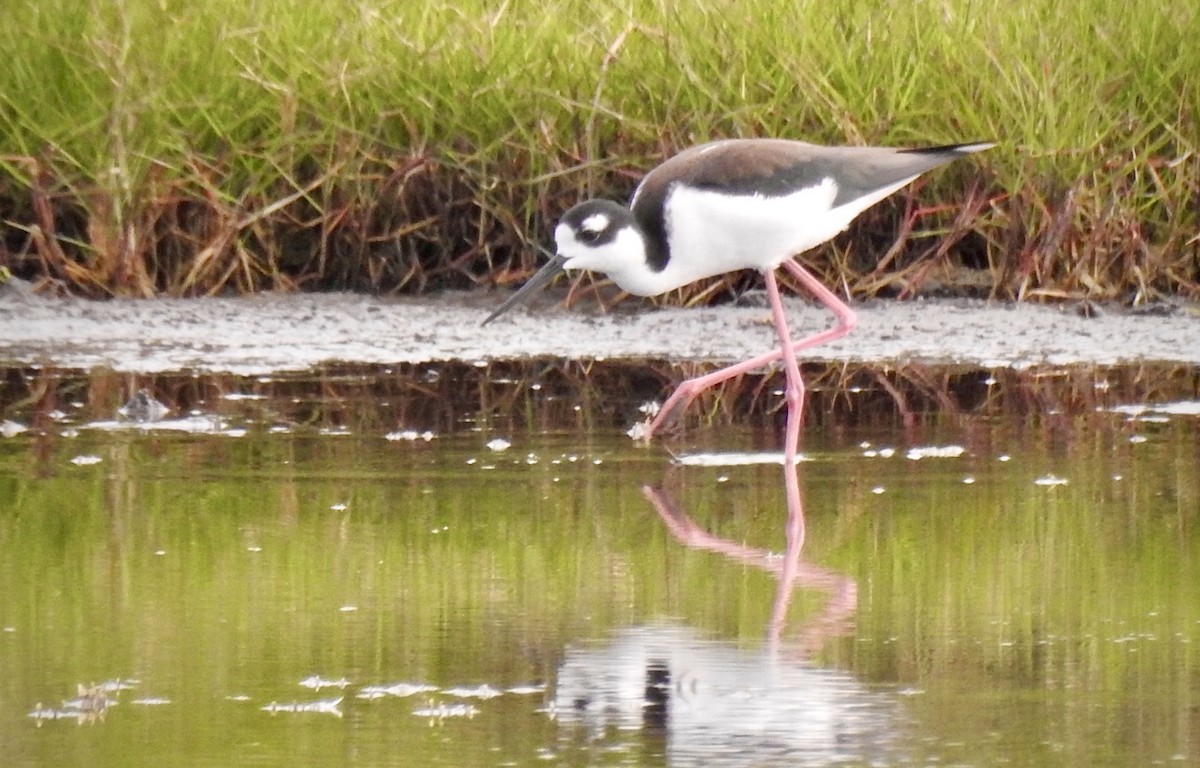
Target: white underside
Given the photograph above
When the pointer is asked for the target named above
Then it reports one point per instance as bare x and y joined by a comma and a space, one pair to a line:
711, 233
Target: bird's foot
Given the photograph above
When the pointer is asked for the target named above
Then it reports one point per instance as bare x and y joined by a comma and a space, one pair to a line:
643, 431
640, 432
661, 420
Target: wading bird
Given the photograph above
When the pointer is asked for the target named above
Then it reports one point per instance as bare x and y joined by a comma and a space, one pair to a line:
729, 205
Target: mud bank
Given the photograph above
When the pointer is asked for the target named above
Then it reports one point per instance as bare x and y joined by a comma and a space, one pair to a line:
275, 332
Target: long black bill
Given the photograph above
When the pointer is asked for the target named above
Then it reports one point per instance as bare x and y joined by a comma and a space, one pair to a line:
539, 279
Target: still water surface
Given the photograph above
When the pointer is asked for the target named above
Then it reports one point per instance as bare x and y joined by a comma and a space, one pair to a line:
1012, 592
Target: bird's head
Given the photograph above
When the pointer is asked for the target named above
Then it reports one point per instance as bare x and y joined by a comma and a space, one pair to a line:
601, 236
597, 235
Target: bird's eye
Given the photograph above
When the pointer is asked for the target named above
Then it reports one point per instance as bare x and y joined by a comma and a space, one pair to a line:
589, 236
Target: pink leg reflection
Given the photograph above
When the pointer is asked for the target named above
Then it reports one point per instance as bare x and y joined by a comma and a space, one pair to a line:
834, 620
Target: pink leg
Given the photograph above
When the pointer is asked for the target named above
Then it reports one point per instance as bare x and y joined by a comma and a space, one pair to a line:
794, 393
685, 392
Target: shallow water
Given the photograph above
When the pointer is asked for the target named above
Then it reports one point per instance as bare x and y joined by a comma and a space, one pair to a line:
978, 590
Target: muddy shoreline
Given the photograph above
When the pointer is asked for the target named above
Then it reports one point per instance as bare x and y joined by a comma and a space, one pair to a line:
271, 333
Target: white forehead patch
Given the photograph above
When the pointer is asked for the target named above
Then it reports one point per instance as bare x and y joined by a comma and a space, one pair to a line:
597, 222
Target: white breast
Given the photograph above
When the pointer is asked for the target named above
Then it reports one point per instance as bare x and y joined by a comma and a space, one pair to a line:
711, 233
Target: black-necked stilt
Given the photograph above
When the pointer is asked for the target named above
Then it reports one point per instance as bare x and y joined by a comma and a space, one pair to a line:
736, 204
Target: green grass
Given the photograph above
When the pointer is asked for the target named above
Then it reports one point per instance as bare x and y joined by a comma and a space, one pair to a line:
152, 146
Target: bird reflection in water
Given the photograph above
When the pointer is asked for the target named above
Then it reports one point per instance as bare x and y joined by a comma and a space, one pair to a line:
667, 691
